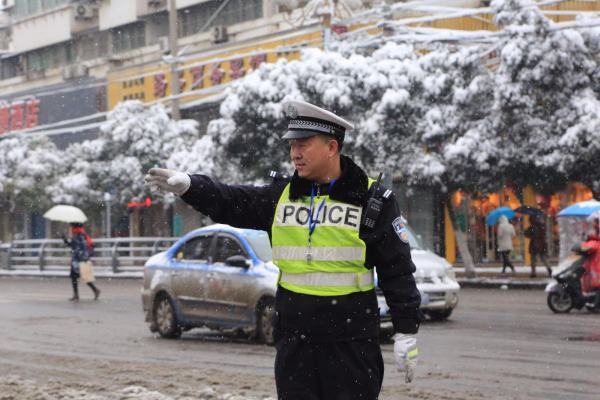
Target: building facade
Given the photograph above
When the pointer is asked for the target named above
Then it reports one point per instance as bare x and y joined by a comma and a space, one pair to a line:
65, 63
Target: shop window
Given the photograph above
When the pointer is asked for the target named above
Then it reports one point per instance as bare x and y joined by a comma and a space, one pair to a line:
235, 11
128, 37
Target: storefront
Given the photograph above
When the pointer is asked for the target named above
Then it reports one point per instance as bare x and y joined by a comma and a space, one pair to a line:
471, 212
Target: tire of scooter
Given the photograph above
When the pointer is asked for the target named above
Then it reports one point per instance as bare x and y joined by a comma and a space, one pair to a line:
560, 302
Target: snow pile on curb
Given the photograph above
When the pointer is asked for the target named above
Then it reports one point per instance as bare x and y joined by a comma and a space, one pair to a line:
14, 387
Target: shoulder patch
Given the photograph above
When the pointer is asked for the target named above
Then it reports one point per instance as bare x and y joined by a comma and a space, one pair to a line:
400, 229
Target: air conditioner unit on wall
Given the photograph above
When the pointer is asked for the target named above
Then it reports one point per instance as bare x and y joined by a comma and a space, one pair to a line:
67, 73
219, 34
33, 74
84, 11
163, 44
154, 2
80, 70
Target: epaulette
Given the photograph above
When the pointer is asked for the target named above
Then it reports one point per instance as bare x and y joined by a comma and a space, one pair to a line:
276, 176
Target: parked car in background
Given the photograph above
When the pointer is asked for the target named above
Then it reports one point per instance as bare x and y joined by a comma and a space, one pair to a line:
224, 278
436, 281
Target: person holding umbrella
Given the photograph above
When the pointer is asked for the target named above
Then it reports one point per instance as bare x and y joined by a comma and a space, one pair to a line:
506, 232
537, 243
80, 243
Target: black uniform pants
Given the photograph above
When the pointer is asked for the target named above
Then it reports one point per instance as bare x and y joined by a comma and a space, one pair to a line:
344, 370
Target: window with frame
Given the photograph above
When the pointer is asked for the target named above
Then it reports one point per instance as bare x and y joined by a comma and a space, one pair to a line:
92, 46
49, 57
24, 8
197, 249
227, 247
128, 37
10, 67
192, 19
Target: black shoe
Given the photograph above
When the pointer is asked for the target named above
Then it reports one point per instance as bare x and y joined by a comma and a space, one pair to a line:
550, 272
74, 298
96, 294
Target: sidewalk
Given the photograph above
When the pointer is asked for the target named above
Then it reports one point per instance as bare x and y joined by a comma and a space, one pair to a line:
488, 276
491, 276
99, 272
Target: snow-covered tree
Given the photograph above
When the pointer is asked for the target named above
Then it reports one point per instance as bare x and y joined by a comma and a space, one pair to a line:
410, 111
541, 73
579, 147
27, 166
133, 139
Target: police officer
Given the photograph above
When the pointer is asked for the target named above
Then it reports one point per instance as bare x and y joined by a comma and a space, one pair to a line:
330, 226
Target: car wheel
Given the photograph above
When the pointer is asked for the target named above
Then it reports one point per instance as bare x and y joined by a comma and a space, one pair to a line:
165, 318
560, 302
440, 315
265, 311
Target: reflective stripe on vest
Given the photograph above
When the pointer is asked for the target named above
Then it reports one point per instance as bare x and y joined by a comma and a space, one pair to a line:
337, 254
359, 279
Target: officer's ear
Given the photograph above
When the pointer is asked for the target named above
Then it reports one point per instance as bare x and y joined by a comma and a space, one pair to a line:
334, 146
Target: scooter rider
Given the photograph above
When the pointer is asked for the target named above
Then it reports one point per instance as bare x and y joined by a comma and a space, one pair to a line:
590, 281
326, 322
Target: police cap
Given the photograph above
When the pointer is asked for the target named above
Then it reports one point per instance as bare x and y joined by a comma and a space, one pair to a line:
306, 120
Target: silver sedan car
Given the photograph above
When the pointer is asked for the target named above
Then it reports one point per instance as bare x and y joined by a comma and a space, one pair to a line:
219, 277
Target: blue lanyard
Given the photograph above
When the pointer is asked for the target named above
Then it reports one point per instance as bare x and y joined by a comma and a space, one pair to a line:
312, 222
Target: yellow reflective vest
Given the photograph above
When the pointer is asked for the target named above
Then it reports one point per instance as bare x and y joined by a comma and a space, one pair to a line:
333, 264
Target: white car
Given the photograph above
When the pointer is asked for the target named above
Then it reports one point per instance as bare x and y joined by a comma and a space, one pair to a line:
436, 282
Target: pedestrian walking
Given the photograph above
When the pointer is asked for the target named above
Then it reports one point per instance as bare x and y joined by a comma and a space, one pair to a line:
506, 232
536, 232
81, 250
330, 225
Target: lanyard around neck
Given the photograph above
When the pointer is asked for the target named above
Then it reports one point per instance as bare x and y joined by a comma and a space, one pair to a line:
312, 222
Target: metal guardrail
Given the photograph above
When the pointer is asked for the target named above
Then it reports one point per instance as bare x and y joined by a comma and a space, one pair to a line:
117, 254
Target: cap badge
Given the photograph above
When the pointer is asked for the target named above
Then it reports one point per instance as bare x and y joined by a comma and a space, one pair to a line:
292, 111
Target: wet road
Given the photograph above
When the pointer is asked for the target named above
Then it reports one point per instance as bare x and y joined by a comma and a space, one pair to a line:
497, 345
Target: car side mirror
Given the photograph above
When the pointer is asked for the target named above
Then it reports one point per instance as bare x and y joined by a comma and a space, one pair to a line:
238, 261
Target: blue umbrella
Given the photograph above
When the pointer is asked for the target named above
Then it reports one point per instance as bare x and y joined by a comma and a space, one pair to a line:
581, 209
493, 216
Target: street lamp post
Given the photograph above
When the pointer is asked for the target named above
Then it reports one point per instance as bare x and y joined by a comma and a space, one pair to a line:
107, 204
175, 114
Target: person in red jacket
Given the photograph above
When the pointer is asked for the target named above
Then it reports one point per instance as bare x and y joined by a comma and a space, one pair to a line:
590, 281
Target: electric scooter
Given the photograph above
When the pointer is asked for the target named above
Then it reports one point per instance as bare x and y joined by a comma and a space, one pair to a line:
565, 294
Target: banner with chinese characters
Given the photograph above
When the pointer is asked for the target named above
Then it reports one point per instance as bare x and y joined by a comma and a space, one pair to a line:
51, 104
204, 75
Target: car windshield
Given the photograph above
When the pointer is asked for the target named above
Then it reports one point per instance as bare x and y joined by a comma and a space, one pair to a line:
259, 240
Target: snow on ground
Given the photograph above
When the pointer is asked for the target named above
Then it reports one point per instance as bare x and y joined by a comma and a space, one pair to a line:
14, 387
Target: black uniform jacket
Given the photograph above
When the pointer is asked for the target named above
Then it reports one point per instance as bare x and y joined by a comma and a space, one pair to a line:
317, 317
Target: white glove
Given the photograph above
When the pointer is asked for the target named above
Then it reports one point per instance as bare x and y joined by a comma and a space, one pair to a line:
168, 180
406, 354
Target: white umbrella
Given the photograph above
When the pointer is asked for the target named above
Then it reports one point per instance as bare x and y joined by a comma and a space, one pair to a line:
64, 213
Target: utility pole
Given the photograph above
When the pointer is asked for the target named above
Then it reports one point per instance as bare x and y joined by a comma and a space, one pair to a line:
175, 114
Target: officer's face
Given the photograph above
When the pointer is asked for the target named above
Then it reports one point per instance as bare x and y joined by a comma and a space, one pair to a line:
311, 156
